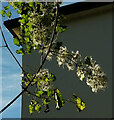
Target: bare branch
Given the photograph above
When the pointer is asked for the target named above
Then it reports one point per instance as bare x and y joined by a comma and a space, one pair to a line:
51, 41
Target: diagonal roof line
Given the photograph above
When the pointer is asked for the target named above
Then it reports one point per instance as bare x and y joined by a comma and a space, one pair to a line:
66, 10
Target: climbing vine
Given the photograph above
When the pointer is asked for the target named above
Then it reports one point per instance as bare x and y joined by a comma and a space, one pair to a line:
40, 25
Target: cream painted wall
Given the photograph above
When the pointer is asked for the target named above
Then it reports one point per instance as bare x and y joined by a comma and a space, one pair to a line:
90, 32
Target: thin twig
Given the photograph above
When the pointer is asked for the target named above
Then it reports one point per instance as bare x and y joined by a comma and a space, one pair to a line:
30, 93
2, 46
41, 58
10, 50
68, 100
51, 41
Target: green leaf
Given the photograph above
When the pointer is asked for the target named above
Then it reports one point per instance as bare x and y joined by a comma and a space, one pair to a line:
52, 77
79, 103
10, 3
26, 83
19, 11
20, 51
31, 4
33, 102
26, 29
2, 12
22, 21
8, 14
49, 93
23, 16
39, 93
30, 27
16, 41
29, 75
28, 47
60, 28
31, 109
38, 107
22, 80
45, 101
60, 95
6, 8
22, 27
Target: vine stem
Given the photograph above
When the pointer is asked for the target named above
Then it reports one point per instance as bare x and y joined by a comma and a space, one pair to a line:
41, 58
51, 41
66, 100
69, 100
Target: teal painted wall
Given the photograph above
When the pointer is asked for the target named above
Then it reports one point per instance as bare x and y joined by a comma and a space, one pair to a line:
90, 32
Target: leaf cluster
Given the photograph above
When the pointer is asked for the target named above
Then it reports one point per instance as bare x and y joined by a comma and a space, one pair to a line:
36, 24
5, 11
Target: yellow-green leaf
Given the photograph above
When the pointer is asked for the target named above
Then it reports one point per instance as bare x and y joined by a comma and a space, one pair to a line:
8, 14
38, 107
2, 12
16, 41
20, 51
79, 103
6, 7
31, 109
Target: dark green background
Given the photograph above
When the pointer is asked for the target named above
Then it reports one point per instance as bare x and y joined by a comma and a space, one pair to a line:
89, 32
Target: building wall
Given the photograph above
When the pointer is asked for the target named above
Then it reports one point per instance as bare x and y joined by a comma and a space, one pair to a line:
90, 32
